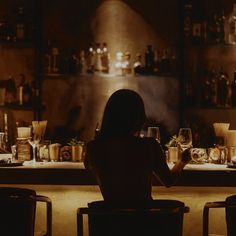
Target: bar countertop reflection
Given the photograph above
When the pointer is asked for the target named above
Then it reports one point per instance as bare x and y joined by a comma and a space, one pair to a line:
72, 173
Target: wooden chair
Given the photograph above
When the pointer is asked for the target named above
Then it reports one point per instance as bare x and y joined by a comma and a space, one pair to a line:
158, 217
17, 211
230, 209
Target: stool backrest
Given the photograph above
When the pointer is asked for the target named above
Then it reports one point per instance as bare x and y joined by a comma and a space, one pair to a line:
17, 211
159, 217
231, 215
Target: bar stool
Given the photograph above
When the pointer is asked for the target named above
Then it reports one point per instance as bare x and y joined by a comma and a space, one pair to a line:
17, 211
230, 209
157, 217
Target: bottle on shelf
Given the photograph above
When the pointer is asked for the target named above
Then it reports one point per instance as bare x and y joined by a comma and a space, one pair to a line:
213, 87
20, 27
232, 26
233, 89
223, 89
91, 59
221, 27
48, 58
138, 66
149, 60
206, 89
126, 66
55, 59
213, 28
20, 90
105, 59
3, 29
73, 62
98, 61
165, 64
197, 26
187, 21
10, 90
119, 63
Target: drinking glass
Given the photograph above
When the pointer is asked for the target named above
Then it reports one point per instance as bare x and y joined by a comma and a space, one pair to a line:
154, 132
34, 142
185, 138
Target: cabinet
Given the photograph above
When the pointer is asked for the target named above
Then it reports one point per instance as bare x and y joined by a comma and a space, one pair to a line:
208, 59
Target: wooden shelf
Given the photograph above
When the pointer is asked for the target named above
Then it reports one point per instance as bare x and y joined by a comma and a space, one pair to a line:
29, 107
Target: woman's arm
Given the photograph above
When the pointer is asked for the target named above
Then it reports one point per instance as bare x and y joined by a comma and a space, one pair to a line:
161, 170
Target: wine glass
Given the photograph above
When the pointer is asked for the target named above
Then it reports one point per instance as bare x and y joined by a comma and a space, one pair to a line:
185, 138
34, 142
154, 132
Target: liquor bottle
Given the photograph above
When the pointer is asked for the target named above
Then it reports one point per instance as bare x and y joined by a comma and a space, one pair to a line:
232, 26
233, 89
119, 63
221, 28
48, 58
223, 89
126, 66
138, 66
55, 59
3, 29
213, 28
73, 62
20, 27
213, 87
10, 90
197, 26
20, 89
206, 89
105, 59
157, 62
91, 59
187, 22
165, 64
27, 94
149, 60
98, 61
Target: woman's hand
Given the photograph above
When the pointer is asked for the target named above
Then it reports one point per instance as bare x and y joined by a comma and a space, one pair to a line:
186, 156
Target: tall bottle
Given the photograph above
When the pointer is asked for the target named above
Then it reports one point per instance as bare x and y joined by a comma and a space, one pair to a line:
213, 87
98, 61
20, 33
149, 60
223, 89
233, 89
187, 22
232, 26
105, 59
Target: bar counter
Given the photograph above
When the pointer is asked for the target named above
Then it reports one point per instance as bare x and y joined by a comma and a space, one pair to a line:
71, 173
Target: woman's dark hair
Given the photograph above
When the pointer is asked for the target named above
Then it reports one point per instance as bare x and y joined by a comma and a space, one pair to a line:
124, 114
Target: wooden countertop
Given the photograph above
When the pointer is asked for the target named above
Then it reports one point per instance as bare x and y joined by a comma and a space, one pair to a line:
74, 173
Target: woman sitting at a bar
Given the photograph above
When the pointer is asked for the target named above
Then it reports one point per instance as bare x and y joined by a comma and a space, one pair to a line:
122, 162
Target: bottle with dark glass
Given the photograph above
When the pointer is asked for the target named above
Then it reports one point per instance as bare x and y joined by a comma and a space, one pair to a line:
73, 62
197, 25
149, 60
187, 21
213, 87
20, 27
165, 66
206, 89
233, 89
10, 90
221, 28
223, 89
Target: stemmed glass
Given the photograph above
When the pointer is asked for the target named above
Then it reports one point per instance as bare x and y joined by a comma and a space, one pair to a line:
154, 132
185, 138
35, 140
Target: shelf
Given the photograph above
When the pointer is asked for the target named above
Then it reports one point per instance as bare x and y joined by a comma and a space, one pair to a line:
208, 45
209, 108
63, 76
20, 107
18, 44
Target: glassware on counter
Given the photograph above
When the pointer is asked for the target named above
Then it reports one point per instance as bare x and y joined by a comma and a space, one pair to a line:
154, 132
185, 138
